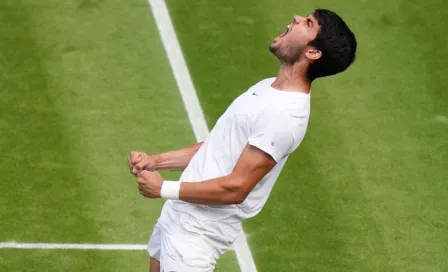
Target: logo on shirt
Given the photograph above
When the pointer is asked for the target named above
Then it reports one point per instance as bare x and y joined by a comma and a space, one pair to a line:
272, 144
254, 94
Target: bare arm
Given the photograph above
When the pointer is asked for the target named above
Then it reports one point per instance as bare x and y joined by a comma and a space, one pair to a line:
171, 160
251, 167
176, 159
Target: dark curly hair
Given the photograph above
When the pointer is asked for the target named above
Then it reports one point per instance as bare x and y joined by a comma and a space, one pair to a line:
336, 42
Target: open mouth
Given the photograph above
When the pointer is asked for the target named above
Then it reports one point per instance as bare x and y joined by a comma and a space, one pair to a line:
284, 33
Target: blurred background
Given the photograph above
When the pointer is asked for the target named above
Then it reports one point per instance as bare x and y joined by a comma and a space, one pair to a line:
84, 82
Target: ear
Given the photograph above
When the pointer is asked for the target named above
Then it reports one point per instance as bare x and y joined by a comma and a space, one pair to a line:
313, 54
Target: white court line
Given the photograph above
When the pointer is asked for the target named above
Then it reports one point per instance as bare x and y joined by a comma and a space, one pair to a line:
72, 246
191, 102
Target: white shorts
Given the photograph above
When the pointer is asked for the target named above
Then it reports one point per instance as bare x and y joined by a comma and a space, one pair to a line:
183, 243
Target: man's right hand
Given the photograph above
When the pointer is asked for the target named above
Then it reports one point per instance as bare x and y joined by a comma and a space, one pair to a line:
139, 161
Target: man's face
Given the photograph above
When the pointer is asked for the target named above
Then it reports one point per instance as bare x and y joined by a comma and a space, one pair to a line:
290, 45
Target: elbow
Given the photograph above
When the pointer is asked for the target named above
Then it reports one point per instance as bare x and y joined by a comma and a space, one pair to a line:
233, 199
237, 197
236, 191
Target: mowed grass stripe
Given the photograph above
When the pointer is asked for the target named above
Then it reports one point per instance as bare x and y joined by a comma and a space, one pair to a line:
35, 148
36, 151
83, 85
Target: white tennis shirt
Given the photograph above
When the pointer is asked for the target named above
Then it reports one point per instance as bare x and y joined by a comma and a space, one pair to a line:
274, 121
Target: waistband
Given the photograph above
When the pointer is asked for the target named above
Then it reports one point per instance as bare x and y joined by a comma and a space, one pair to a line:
228, 213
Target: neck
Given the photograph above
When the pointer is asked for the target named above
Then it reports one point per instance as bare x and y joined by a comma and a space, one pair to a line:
292, 78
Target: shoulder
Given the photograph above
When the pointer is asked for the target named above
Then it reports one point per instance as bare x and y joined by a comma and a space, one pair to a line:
262, 83
268, 80
265, 82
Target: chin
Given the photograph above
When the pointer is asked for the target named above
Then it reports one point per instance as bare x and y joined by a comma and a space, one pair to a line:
274, 48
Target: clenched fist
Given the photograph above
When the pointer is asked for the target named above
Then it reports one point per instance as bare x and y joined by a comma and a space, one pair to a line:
149, 184
139, 161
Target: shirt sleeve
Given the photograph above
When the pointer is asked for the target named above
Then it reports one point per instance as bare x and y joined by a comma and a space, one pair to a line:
272, 133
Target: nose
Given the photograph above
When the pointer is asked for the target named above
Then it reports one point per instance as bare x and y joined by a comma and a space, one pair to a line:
297, 19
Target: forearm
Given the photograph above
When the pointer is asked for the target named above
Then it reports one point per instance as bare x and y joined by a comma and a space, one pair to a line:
219, 191
176, 159
233, 188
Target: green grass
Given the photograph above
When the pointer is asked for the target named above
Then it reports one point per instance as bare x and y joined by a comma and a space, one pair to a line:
85, 82
69, 260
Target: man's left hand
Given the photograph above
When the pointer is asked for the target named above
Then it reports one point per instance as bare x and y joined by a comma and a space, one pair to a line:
149, 184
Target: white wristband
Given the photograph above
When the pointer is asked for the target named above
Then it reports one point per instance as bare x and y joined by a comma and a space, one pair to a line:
170, 190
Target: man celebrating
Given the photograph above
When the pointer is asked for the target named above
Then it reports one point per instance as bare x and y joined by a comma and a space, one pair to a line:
228, 177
